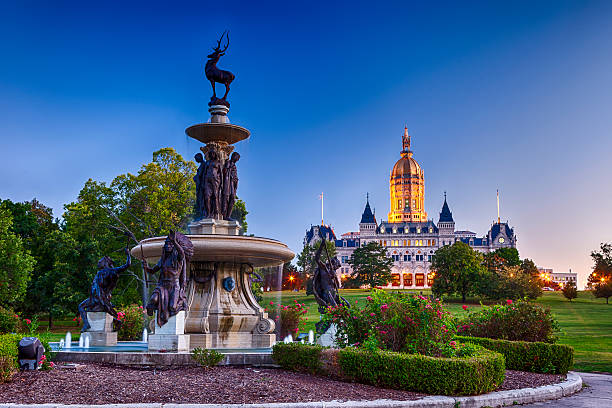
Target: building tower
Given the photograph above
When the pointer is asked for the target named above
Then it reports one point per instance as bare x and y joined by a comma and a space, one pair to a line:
446, 225
367, 226
407, 185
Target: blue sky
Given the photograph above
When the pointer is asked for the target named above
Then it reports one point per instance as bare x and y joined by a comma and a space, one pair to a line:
514, 96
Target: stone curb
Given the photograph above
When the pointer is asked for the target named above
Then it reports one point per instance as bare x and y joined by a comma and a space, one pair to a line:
571, 385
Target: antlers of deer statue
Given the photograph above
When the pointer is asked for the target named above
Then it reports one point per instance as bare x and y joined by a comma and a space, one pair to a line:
214, 74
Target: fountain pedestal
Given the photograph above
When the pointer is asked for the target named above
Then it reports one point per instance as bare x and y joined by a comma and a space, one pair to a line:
171, 336
101, 331
212, 226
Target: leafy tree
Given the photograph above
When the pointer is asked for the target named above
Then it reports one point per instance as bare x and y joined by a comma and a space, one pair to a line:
160, 197
600, 280
509, 277
458, 269
32, 222
570, 291
239, 213
16, 263
534, 290
371, 265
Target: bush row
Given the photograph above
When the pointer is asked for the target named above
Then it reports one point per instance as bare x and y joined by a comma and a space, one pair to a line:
536, 357
480, 373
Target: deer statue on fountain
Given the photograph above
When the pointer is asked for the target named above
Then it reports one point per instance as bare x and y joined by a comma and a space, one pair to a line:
214, 74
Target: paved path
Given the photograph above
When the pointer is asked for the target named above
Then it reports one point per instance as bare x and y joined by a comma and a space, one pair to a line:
596, 394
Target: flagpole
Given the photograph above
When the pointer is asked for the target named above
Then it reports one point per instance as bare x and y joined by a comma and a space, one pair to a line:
498, 219
321, 208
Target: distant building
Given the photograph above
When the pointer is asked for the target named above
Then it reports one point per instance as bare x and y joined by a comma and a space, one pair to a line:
410, 237
560, 278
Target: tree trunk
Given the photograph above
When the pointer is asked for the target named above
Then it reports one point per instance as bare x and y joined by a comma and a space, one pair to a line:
463, 297
50, 320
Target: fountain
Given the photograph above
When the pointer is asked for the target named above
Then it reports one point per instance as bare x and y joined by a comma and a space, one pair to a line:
221, 312
145, 335
68, 341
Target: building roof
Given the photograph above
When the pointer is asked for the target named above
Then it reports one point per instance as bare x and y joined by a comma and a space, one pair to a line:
367, 217
473, 241
323, 231
446, 215
498, 228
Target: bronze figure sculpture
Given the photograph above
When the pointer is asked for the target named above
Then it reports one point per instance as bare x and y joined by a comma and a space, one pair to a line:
199, 183
213, 179
214, 74
104, 283
325, 284
230, 185
169, 297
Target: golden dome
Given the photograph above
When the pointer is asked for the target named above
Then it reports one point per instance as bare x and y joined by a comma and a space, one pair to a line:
406, 166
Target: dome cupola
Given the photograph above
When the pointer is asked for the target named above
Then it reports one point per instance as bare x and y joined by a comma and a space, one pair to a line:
407, 185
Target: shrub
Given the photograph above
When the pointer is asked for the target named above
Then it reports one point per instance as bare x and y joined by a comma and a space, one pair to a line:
132, 322
529, 356
396, 321
513, 321
9, 321
298, 357
8, 356
482, 372
205, 357
287, 318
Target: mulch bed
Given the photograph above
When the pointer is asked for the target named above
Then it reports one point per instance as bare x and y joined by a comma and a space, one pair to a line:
100, 384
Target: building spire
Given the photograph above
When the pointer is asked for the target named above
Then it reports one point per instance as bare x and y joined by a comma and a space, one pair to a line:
406, 141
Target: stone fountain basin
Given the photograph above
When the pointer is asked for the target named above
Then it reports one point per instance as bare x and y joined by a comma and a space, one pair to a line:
217, 132
238, 249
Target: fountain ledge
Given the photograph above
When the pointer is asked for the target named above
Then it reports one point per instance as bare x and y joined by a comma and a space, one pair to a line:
156, 359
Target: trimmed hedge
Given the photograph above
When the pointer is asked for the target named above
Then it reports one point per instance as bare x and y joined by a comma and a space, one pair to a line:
298, 357
8, 356
536, 357
480, 373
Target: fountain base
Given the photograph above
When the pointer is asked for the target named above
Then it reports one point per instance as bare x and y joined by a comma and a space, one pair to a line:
101, 329
212, 226
231, 340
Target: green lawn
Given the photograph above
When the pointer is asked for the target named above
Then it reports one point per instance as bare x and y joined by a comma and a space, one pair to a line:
586, 322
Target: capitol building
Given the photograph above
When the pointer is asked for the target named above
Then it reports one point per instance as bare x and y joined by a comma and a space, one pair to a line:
411, 238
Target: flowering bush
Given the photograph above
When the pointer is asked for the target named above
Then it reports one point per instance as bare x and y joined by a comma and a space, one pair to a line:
520, 320
132, 320
288, 319
398, 322
9, 321
45, 364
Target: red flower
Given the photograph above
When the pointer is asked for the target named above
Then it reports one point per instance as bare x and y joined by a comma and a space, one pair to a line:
464, 307
509, 301
271, 303
28, 321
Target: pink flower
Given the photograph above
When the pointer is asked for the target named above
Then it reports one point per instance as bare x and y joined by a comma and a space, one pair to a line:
372, 314
384, 306
453, 344
356, 301
271, 303
28, 321
509, 301
369, 298
464, 307
17, 317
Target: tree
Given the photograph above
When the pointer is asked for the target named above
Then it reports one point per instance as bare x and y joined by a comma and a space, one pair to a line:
32, 222
600, 280
16, 263
570, 291
509, 277
458, 269
371, 265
